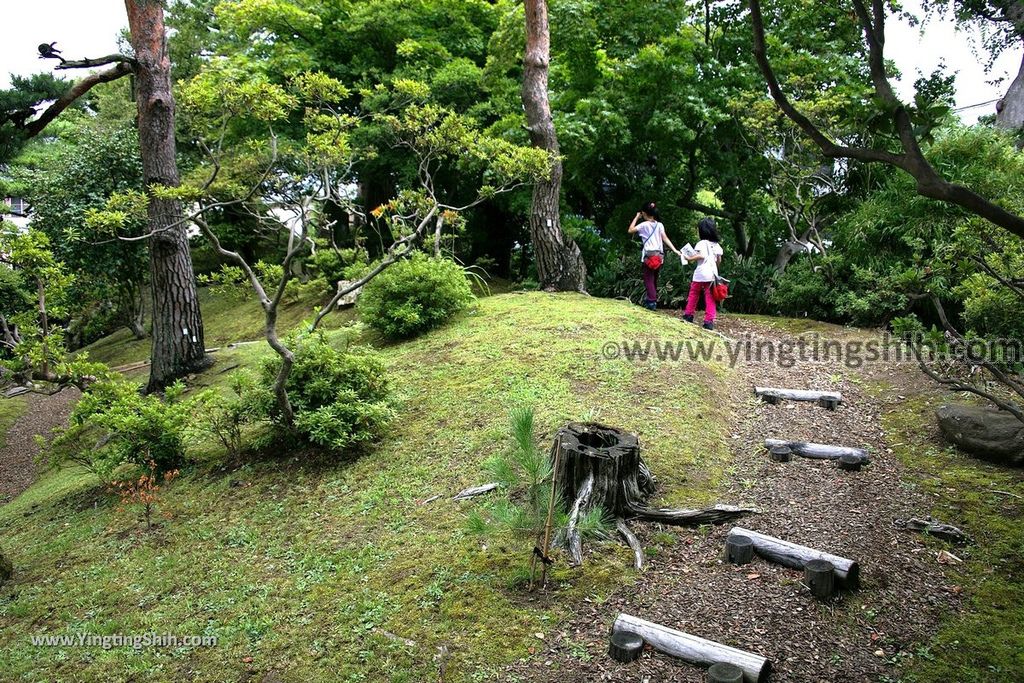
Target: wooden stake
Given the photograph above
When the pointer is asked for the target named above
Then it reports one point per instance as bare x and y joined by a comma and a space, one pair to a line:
551, 511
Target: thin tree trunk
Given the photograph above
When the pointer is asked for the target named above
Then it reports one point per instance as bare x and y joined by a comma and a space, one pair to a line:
134, 307
178, 345
560, 265
44, 326
1011, 108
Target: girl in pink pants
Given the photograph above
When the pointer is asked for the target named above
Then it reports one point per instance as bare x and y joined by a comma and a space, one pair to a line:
709, 253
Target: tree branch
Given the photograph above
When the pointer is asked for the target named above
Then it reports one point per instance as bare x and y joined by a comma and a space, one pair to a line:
77, 90
89, 63
929, 183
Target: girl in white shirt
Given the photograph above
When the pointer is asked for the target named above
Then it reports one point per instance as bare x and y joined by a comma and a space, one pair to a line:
709, 253
655, 239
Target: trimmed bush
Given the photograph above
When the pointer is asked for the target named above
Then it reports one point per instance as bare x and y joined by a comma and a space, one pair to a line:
340, 398
414, 296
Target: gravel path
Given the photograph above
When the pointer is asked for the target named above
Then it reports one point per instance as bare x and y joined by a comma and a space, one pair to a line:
17, 456
763, 607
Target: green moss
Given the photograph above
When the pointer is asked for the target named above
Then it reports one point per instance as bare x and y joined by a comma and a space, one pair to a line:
304, 565
10, 410
225, 320
986, 640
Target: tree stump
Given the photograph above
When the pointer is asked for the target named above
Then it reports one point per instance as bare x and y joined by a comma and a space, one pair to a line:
724, 672
850, 463
820, 577
781, 453
625, 646
739, 549
600, 467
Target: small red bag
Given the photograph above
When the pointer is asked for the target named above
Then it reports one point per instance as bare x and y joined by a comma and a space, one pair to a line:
654, 261
719, 290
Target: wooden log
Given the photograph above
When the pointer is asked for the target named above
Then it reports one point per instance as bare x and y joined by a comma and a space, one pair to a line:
820, 578
780, 453
739, 549
694, 649
625, 646
850, 463
725, 673
797, 556
475, 491
817, 451
774, 395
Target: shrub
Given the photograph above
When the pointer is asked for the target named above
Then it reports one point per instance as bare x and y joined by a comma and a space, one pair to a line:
414, 296
225, 417
340, 398
129, 428
805, 289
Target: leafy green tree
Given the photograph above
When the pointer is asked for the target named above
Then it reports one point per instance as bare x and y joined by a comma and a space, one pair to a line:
35, 294
81, 170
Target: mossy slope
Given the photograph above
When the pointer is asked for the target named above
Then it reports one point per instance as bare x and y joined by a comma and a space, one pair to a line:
300, 566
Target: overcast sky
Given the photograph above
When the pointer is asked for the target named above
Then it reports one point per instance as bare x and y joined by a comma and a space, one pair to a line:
91, 29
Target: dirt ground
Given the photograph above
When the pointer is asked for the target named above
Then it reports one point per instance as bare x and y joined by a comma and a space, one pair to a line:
763, 607
17, 456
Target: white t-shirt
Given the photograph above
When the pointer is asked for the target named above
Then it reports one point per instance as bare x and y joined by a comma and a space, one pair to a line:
650, 233
707, 268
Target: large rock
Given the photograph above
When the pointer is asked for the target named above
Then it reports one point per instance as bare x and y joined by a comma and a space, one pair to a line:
985, 432
6, 569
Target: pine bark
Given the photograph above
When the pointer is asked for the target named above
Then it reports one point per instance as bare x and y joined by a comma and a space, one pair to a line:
560, 265
178, 345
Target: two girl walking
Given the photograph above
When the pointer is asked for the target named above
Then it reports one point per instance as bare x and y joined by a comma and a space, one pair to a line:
707, 252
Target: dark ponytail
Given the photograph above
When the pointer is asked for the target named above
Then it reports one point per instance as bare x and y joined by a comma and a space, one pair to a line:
651, 209
707, 229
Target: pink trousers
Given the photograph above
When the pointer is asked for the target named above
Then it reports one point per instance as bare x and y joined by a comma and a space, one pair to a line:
709, 303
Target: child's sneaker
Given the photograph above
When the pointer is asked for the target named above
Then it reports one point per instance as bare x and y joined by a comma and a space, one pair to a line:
688, 318
709, 326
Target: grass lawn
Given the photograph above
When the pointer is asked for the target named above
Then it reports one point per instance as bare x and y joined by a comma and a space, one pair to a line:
303, 565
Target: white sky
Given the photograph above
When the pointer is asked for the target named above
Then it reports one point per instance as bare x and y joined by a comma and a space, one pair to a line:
91, 29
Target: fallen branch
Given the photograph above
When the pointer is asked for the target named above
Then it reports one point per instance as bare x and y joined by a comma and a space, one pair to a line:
475, 491
933, 527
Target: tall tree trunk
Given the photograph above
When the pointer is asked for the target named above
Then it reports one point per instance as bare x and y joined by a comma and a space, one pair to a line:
178, 345
1011, 108
560, 265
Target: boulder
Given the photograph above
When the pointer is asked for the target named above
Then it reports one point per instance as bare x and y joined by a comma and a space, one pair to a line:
6, 569
349, 299
985, 432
